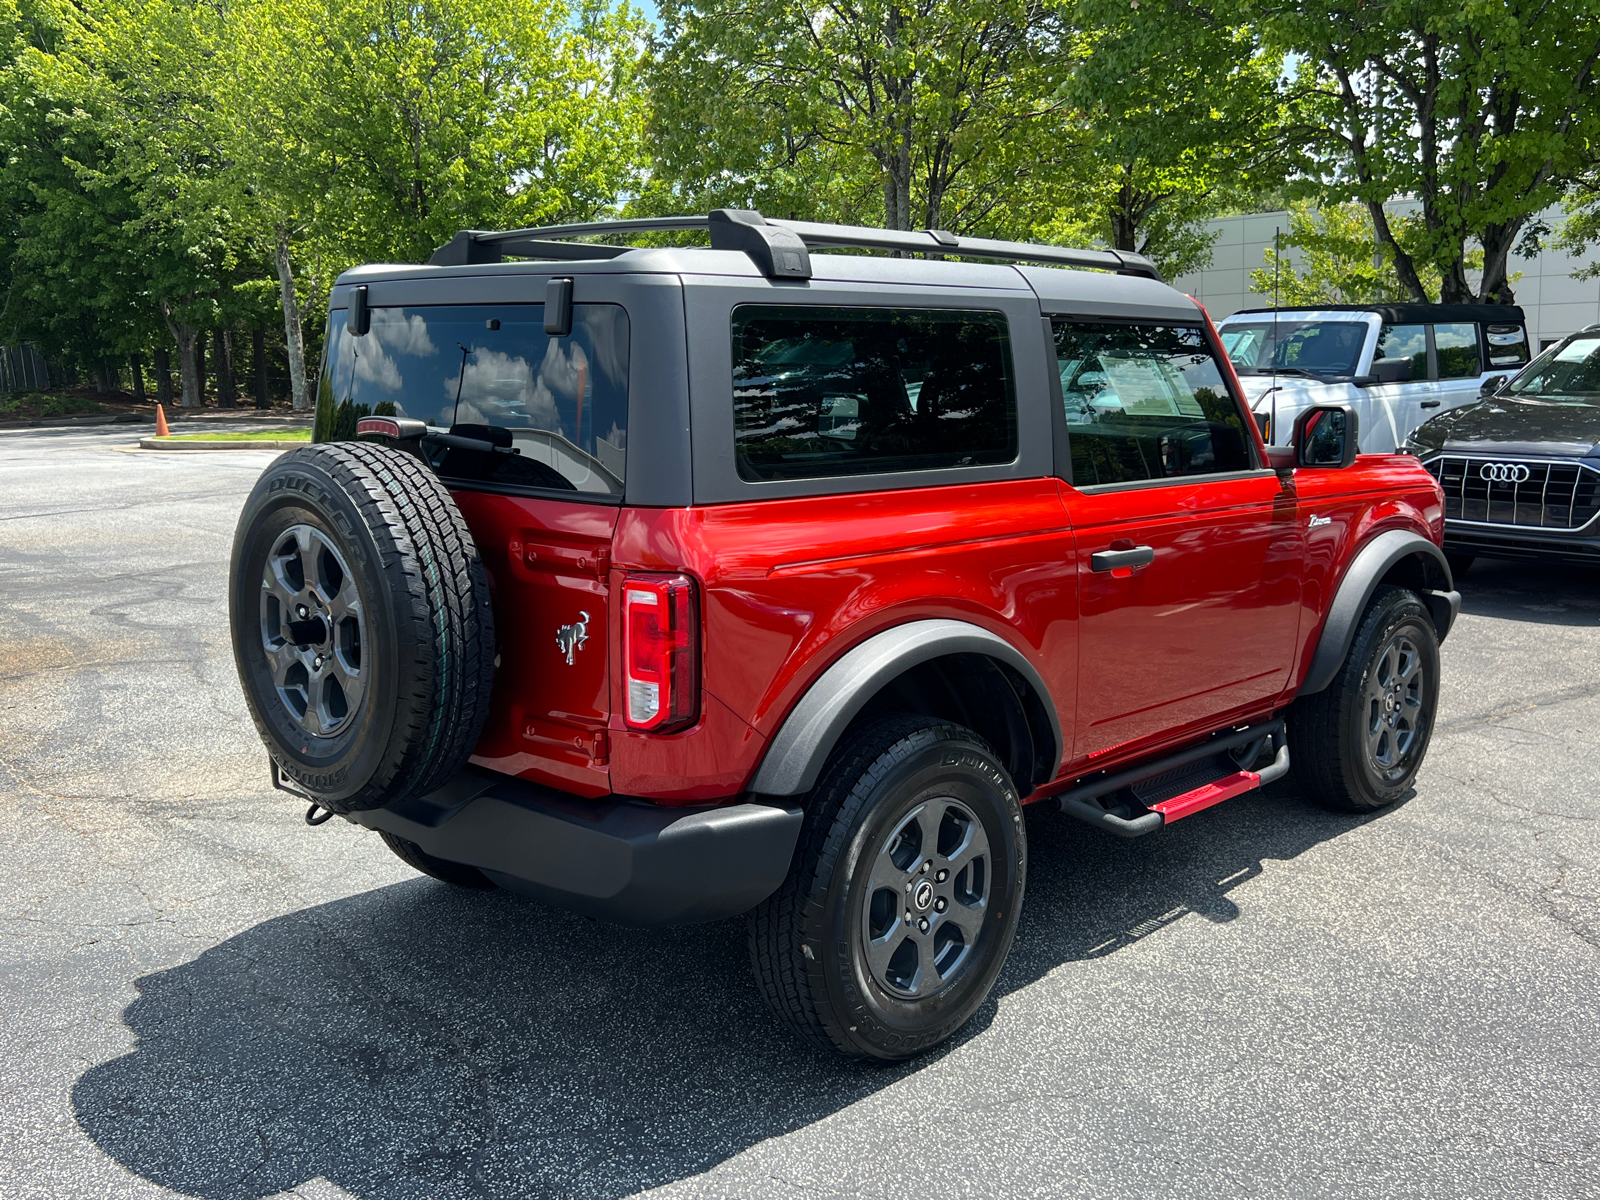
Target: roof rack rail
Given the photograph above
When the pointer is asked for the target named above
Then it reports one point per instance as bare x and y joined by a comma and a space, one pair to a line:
780, 249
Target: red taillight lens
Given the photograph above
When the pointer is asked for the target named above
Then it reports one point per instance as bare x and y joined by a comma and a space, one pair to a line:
660, 652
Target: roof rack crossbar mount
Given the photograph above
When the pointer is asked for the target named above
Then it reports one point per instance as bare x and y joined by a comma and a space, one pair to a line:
774, 244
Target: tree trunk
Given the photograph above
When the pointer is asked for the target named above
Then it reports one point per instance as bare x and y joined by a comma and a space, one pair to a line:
200, 368
136, 365
294, 338
186, 336
258, 366
1497, 242
222, 354
1403, 266
163, 365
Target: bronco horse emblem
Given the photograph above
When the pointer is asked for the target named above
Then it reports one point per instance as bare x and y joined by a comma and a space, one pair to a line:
570, 638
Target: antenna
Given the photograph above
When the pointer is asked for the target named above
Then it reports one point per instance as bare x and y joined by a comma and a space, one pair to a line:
1277, 268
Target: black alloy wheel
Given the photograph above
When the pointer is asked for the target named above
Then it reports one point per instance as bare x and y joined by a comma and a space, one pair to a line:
902, 902
1358, 744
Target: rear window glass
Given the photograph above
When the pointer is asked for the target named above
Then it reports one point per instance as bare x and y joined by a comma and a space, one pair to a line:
1507, 345
1146, 402
556, 406
858, 391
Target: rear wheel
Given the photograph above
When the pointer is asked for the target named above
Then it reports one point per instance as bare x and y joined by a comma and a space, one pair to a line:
901, 904
1357, 744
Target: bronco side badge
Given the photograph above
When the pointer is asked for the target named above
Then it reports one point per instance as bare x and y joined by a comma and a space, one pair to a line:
570, 638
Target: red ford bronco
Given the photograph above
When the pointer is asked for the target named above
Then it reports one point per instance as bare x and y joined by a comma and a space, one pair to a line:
671, 584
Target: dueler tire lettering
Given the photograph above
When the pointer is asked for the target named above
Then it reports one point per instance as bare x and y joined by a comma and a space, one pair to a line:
1357, 744
425, 635
810, 941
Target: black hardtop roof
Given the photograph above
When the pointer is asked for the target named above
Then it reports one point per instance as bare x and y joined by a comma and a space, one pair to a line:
1411, 314
779, 249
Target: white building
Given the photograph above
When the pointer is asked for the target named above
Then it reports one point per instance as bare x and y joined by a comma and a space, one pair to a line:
1556, 304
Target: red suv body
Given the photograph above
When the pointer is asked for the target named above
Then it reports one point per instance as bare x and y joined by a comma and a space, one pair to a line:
777, 508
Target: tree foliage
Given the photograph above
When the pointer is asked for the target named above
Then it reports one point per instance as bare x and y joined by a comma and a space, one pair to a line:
1481, 110
1179, 110
916, 113
1340, 259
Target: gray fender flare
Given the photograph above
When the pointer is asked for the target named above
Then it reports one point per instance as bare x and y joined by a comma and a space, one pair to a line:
1372, 562
797, 752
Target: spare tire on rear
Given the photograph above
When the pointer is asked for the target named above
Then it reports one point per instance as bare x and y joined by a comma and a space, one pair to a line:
362, 625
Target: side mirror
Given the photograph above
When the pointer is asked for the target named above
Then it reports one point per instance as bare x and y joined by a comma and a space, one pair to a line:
1326, 436
358, 317
1492, 385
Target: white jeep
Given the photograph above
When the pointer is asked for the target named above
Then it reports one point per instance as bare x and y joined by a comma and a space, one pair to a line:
1396, 364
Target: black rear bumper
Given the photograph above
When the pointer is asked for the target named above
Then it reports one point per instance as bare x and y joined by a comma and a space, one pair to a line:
625, 860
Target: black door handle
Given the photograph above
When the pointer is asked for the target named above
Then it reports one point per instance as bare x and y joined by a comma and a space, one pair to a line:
1110, 560
1431, 403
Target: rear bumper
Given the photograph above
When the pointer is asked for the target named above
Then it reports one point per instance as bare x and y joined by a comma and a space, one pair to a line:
625, 860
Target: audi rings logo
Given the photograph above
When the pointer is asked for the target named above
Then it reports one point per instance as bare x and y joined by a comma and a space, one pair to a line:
1503, 472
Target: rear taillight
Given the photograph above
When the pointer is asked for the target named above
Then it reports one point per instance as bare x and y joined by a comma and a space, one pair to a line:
660, 651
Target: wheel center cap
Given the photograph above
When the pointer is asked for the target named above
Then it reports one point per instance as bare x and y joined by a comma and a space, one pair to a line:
922, 896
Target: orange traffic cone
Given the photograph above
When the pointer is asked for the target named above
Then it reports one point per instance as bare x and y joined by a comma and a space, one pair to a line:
161, 423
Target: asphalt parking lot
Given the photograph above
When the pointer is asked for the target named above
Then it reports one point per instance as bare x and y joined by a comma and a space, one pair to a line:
204, 997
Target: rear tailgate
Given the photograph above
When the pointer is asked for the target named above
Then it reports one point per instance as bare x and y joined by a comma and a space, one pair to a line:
547, 562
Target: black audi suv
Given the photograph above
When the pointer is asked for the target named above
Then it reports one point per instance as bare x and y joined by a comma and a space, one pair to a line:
1520, 467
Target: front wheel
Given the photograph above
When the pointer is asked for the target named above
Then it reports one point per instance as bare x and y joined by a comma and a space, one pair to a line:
1357, 744
902, 902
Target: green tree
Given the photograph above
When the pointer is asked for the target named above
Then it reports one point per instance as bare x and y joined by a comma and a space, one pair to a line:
1480, 109
374, 129
1179, 111
1341, 260
74, 277
912, 113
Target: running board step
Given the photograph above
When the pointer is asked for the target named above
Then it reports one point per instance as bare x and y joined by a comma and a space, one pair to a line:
1170, 788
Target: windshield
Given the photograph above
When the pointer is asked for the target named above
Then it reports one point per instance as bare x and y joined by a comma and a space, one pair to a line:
1568, 374
1316, 348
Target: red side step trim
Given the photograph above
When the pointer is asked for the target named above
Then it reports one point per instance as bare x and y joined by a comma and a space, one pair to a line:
1206, 795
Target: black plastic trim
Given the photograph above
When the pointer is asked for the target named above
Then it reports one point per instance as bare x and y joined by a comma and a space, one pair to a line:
1079, 801
623, 859
1371, 563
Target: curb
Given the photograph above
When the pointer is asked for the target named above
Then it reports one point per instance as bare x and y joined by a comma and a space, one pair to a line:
151, 443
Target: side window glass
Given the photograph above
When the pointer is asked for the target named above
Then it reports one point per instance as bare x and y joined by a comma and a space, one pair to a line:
551, 412
826, 392
1457, 350
1507, 345
1400, 347
1146, 402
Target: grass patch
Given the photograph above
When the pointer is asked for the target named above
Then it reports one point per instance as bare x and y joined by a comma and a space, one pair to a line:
254, 435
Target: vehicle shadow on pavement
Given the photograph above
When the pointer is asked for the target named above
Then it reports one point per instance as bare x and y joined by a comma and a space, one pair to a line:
1535, 592
419, 1040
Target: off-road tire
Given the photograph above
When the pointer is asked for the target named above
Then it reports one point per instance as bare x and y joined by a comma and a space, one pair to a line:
426, 625
809, 962
1328, 731
415, 856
